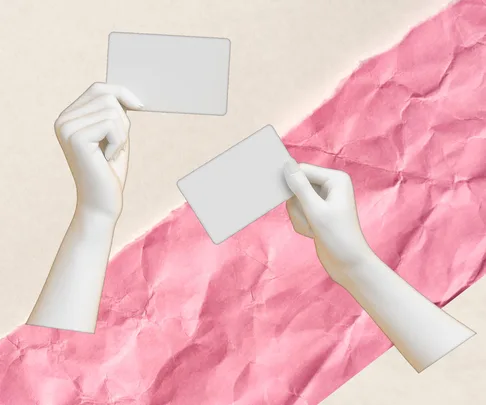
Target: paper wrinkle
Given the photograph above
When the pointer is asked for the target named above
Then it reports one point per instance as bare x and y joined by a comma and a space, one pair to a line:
256, 320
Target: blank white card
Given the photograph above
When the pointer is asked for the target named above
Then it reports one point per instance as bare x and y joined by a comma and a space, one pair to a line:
169, 73
239, 186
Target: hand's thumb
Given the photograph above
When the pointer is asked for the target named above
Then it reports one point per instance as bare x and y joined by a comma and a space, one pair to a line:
300, 186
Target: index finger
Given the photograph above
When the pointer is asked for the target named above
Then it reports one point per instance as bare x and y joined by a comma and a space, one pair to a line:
336, 183
321, 176
124, 96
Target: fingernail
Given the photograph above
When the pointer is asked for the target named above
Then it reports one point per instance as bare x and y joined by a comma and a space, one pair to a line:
291, 167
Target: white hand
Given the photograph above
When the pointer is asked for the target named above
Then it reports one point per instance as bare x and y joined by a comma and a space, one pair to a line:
93, 133
326, 211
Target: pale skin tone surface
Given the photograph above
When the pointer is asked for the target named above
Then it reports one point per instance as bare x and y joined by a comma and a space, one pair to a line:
324, 209
93, 133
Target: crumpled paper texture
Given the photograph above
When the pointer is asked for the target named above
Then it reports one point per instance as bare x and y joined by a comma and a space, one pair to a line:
256, 320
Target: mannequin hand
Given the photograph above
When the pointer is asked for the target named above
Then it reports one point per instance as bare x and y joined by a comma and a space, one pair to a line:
93, 133
326, 212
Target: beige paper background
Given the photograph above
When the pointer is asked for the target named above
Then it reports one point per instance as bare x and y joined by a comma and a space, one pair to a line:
287, 56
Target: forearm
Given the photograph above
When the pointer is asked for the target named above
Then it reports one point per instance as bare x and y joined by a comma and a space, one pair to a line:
420, 330
72, 292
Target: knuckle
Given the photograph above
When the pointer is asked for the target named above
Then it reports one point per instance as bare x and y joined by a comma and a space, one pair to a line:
97, 86
76, 140
112, 126
58, 123
111, 114
109, 100
108, 123
344, 176
124, 120
65, 129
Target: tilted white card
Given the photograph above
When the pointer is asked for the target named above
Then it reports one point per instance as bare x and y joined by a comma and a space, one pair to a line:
238, 186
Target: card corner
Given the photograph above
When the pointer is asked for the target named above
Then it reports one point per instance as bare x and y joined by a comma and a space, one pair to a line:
113, 33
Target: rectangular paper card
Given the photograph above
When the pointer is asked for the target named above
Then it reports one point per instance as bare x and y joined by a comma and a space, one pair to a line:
174, 74
238, 186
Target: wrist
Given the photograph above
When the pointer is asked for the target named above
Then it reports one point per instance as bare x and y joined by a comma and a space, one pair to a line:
93, 218
364, 267
367, 259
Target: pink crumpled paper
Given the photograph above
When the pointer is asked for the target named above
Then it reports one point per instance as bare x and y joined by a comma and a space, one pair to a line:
256, 320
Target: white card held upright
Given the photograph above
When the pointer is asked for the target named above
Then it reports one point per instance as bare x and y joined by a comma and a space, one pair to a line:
174, 74
238, 186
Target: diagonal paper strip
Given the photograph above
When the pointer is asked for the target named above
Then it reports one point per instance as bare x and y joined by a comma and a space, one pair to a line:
256, 320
